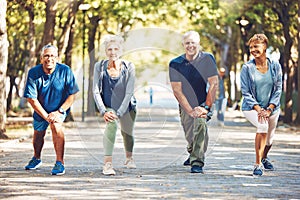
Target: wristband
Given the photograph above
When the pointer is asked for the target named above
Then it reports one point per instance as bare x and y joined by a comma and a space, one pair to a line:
205, 106
61, 110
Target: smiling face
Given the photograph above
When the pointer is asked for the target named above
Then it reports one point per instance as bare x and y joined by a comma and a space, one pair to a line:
113, 51
48, 59
257, 49
191, 44
258, 45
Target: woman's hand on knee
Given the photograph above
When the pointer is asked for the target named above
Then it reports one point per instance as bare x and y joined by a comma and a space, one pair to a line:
110, 116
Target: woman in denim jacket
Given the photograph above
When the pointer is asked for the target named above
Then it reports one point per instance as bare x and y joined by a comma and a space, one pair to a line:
261, 86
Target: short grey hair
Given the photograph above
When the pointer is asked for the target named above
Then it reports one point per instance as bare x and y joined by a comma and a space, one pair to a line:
113, 39
48, 46
193, 33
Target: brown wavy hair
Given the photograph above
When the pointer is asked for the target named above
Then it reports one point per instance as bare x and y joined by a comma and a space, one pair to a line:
260, 37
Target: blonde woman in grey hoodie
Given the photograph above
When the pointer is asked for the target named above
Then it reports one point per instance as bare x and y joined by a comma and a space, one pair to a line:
113, 89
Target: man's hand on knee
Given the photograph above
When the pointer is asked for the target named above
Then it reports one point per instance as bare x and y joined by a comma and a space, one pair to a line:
56, 117
201, 112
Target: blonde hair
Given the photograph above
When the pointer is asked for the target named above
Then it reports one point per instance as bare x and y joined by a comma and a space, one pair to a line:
113, 39
260, 37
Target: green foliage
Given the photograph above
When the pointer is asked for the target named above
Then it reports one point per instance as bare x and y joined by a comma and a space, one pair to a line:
214, 19
17, 19
17, 32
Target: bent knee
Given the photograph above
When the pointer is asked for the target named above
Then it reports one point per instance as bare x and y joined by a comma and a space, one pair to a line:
112, 126
56, 126
201, 121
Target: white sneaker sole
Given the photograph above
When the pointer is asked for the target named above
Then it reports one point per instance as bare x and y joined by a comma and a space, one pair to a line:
130, 167
58, 174
109, 173
36, 167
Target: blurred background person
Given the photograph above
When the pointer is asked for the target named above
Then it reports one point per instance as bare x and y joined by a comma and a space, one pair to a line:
221, 102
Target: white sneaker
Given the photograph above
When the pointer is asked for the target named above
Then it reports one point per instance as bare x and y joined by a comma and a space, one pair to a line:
129, 163
108, 169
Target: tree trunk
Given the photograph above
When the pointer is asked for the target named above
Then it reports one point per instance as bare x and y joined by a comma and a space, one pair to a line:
32, 50
232, 59
68, 61
3, 67
48, 36
63, 42
282, 10
288, 111
91, 49
12, 80
284, 18
69, 49
69, 39
297, 120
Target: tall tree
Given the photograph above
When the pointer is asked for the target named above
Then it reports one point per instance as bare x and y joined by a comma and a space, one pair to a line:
277, 19
49, 27
282, 9
69, 38
27, 60
67, 26
91, 49
297, 120
3, 66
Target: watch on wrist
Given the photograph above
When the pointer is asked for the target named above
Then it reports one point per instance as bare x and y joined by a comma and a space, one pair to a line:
61, 110
205, 106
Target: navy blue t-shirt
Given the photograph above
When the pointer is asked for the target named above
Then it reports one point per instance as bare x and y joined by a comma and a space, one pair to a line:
193, 76
51, 90
114, 90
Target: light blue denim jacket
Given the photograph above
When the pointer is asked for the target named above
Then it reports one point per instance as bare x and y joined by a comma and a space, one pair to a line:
248, 85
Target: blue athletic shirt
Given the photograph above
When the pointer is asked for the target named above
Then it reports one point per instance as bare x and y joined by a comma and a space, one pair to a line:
193, 76
51, 90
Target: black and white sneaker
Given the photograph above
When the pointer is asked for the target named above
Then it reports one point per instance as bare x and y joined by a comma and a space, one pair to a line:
267, 164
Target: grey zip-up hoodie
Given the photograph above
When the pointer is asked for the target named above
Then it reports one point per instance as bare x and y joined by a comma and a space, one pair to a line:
97, 86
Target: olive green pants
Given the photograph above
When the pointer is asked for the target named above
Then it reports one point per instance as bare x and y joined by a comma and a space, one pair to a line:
127, 123
196, 135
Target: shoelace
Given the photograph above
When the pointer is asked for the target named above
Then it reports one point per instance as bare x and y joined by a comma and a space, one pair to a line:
108, 165
33, 162
57, 166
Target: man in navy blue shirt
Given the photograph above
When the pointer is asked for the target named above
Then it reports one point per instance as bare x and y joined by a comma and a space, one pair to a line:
194, 80
50, 89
